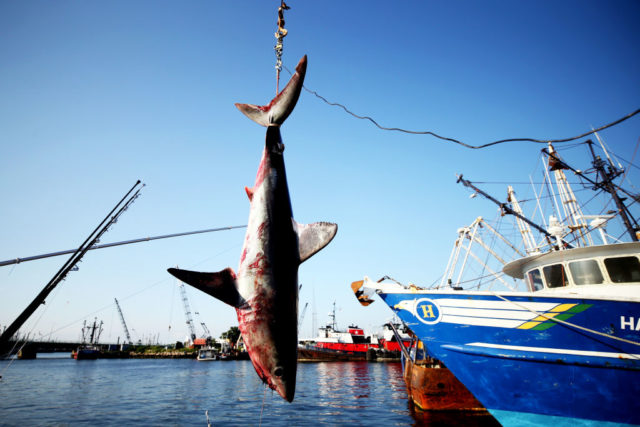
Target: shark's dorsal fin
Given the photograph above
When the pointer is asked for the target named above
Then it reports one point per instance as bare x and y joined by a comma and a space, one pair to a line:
282, 105
313, 237
249, 193
221, 285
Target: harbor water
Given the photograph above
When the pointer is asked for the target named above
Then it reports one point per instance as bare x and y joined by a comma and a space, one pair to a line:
61, 391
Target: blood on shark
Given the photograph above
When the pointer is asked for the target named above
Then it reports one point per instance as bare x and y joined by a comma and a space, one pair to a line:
264, 290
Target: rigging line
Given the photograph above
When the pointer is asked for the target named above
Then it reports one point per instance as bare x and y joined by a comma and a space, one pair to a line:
12, 359
473, 147
627, 161
512, 183
573, 325
27, 337
547, 197
624, 176
482, 277
484, 285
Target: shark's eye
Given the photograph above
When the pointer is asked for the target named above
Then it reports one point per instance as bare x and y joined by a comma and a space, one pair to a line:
278, 371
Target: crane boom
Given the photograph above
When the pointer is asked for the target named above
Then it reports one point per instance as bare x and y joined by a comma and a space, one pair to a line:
304, 310
206, 330
124, 324
187, 311
207, 333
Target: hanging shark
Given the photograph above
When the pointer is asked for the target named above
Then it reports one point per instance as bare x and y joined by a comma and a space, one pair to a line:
264, 290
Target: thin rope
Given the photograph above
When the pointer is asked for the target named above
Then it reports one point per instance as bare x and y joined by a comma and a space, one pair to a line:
456, 141
473, 147
573, 325
264, 398
26, 339
624, 176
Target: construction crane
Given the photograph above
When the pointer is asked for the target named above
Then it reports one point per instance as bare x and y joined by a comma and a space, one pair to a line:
124, 324
187, 311
207, 333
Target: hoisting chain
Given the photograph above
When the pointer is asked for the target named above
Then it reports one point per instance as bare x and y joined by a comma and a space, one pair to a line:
280, 34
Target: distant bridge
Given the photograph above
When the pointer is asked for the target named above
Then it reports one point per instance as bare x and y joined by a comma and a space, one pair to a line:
32, 347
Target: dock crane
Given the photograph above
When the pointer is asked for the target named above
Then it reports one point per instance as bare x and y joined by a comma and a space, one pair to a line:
124, 324
207, 332
187, 311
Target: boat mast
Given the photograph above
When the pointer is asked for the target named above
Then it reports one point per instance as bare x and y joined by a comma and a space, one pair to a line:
84, 332
332, 315
607, 175
572, 212
527, 237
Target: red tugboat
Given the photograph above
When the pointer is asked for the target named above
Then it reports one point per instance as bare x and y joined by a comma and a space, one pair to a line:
334, 345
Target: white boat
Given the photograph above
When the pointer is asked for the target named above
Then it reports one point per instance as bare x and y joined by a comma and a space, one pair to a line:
207, 354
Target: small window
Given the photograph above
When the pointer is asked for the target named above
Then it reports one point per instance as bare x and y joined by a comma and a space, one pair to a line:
535, 280
555, 276
586, 272
623, 269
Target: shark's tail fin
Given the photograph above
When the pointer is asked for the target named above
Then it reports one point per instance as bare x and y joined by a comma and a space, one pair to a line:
282, 105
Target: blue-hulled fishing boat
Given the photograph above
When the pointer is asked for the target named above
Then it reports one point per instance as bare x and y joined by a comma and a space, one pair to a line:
564, 351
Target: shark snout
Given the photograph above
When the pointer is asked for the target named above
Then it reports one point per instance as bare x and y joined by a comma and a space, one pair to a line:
285, 382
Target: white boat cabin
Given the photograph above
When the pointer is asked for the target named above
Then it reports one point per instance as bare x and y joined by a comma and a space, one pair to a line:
593, 266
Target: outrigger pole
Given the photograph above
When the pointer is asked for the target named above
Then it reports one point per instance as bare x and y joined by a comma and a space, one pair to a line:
125, 242
506, 209
109, 220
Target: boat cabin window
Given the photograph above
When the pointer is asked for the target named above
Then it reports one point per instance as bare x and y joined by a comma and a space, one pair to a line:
535, 280
586, 272
555, 276
623, 269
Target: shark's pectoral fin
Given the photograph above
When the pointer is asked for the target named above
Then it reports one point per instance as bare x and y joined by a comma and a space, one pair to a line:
221, 285
313, 237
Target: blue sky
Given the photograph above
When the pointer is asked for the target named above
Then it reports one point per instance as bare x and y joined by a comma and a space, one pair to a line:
96, 95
